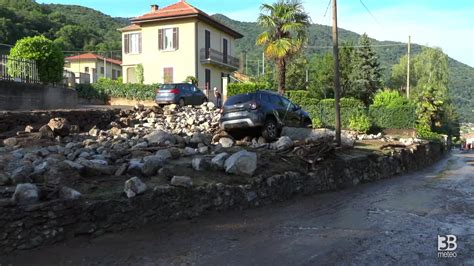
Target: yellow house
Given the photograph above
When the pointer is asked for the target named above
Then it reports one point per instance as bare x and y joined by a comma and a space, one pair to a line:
88, 68
178, 41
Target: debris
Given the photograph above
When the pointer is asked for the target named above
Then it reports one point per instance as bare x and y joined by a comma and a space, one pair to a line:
134, 186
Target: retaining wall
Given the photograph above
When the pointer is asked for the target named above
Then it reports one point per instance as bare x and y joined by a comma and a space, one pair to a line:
23, 96
30, 226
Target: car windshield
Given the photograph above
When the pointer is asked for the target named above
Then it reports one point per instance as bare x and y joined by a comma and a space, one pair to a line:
241, 98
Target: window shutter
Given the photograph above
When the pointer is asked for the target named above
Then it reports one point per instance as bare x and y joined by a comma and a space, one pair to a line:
126, 43
140, 43
160, 39
175, 38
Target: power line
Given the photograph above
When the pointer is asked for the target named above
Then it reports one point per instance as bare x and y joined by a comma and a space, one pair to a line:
356, 46
327, 8
370, 13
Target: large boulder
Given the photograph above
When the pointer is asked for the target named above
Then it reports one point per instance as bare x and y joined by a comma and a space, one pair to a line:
26, 193
160, 137
200, 164
69, 194
241, 163
219, 160
60, 126
152, 164
181, 181
134, 186
282, 144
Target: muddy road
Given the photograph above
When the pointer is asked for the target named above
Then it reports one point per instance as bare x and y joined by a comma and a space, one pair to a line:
393, 221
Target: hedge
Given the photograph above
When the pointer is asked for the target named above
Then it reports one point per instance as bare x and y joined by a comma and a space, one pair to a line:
403, 116
349, 107
106, 88
238, 88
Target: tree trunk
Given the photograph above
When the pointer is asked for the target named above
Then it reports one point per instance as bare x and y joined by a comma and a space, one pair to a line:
281, 76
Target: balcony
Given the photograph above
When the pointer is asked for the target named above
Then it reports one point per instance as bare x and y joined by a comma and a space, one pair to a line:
213, 57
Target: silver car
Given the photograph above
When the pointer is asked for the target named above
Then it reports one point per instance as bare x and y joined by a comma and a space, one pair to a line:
179, 93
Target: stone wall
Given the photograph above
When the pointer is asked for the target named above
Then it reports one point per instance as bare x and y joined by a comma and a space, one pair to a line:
85, 119
30, 226
23, 96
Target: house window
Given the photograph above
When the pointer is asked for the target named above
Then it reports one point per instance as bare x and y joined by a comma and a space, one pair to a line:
168, 39
86, 69
208, 79
101, 70
132, 43
168, 75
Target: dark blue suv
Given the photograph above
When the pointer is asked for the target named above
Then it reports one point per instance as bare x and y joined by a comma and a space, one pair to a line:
265, 110
180, 93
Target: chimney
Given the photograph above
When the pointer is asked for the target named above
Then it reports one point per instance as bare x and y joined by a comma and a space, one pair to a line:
154, 8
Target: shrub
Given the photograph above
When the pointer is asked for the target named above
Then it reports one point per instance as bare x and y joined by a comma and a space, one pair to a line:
360, 123
191, 79
298, 96
238, 88
48, 57
389, 98
424, 132
349, 106
403, 116
316, 122
106, 88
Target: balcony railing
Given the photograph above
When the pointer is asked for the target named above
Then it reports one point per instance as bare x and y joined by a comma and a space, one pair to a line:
211, 56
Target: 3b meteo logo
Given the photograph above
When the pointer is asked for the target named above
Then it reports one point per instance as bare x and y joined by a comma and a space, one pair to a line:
447, 246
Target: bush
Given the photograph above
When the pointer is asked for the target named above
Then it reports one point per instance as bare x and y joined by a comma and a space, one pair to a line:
238, 88
298, 96
389, 98
424, 132
48, 57
360, 123
403, 116
349, 107
106, 88
316, 122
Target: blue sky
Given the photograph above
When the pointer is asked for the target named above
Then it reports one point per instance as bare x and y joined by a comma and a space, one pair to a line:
448, 24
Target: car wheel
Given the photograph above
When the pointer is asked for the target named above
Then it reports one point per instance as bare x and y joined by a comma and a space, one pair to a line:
270, 130
181, 102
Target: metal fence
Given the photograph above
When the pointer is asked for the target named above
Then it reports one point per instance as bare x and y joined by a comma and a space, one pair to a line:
18, 70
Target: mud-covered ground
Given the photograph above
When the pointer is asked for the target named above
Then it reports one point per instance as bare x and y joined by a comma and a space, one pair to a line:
393, 221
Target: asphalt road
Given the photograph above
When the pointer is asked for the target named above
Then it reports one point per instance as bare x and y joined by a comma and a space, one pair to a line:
393, 221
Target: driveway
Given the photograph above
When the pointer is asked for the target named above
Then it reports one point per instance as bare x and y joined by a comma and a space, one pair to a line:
394, 221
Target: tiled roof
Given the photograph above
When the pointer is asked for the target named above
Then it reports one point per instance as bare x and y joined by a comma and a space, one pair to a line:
89, 56
183, 9
130, 28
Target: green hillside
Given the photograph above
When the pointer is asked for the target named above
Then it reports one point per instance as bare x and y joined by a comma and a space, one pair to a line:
461, 75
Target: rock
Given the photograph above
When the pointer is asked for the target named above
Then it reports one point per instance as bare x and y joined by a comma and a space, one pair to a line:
190, 121
22, 174
139, 146
94, 132
203, 150
152, 164
219, 160
96, 167
166, 172
69, 194
135, 167
5, 180
241, 163
307, 134
188, 151
181, 181
76, 166
211, 105
160, 137
59, 126
226, 142
121, 170
282, 144
200, 164
10, 142
46, 132
175, 153
29, 129
134, 186
164, 154
26, 193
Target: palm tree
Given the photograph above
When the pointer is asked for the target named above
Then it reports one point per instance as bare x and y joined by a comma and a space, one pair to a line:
285, 22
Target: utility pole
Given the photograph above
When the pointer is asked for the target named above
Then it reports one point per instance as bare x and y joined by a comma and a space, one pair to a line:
263, 64
408, 68
337, 85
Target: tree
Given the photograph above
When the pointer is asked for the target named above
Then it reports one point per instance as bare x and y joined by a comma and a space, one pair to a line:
296, 73
48, 57
388, 98
321, 75
285, 23
366, 75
